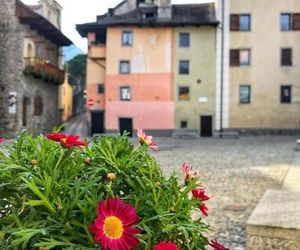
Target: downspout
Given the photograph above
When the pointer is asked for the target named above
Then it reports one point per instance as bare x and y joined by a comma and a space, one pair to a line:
222, 68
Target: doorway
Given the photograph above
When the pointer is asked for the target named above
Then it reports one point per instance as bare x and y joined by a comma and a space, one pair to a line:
25, 111
97, 122
206, 126
125, 124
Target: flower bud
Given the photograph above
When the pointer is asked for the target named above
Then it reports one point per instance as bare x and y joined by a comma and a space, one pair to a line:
87, 161
33, 162
111, 177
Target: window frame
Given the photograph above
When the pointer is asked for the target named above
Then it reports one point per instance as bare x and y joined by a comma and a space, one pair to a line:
282, 101
188, 67
100, 88
249, 57
182, 122
120, 67
123, 40
249, 24
120, 93
236, 19
189, 40
290, 21
281, 57
189, 93
249, 94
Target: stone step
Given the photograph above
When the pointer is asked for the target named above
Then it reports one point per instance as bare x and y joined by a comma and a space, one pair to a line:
292, 180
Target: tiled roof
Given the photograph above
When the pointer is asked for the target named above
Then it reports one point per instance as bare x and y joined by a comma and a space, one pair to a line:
186, 14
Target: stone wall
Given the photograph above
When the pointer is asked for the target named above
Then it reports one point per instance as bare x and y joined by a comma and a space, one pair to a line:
12, 79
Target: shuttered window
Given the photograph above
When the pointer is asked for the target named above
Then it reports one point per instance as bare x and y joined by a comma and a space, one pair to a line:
234, 22
296, 21
289, 21
286, 57
234, 57
240, 22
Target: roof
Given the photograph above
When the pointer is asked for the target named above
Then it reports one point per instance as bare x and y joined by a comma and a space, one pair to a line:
41, 25
185, 14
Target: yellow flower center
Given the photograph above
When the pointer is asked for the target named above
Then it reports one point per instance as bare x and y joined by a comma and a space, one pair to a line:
63, 140
113, 228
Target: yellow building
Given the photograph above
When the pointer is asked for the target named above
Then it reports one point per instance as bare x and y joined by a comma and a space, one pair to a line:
66, 99
261, 58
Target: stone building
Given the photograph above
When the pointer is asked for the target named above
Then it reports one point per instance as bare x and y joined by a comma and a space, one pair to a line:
30, 67
152, 65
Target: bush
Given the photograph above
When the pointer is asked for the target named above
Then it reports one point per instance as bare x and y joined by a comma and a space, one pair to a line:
49, 194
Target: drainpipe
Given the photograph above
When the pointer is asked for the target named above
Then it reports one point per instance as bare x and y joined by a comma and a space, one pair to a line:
222, 68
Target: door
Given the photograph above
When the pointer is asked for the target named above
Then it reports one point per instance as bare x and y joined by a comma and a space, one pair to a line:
125, 124
206, 126
97, 122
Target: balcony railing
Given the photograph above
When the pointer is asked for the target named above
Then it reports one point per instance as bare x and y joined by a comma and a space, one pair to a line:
39, 68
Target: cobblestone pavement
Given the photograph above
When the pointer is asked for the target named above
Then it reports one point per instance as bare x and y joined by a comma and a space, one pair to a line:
236, 173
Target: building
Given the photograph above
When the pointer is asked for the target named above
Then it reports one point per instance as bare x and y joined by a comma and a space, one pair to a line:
30, 71
261, 74
152, 65
66, 99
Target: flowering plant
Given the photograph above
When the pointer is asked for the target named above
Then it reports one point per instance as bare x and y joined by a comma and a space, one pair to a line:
57, 192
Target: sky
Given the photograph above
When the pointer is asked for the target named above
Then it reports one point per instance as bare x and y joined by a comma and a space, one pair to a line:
83, 11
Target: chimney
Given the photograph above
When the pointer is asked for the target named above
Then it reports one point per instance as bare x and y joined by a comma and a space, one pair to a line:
164, 9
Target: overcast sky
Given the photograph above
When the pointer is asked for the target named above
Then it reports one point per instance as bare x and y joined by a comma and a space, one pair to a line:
82, 11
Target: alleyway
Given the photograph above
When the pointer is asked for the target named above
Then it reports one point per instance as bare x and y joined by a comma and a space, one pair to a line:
77, 126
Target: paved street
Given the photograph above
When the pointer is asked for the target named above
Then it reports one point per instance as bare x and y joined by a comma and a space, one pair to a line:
236, 174
77, 126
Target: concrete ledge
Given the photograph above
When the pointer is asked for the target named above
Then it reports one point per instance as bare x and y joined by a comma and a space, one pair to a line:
275, 222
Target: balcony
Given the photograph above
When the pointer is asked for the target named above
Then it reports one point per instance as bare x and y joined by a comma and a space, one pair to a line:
97, 52
39, 68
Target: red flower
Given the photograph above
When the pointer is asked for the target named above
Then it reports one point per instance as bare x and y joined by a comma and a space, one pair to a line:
199, 193
146, 139
189, 173
56, 136
166, 246
2, 140
113, 226
66, 141
72, 141
204, 209
217, 246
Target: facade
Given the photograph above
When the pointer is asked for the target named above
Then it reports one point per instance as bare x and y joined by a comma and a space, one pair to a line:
66, 99
134, 66
30, 70
264, 57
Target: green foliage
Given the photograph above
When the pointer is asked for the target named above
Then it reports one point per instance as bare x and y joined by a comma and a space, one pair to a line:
49, 195
77, 70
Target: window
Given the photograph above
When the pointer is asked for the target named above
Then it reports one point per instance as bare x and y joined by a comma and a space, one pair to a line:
244, 56
101, 88
245, 94
184, 40
286, 94
285, 22
184, 67
127, 38
38, 106
286, 57
290, 21
240, 57
240, 22
183, 124
184, 93
125, 94
124, 67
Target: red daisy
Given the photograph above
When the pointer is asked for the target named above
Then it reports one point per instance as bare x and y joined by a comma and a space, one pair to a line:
146, 139
66, 141
166, 246
2, 139
113, 226
199, 193
217, 246
56, 136
72, 141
